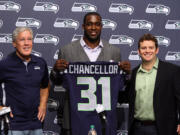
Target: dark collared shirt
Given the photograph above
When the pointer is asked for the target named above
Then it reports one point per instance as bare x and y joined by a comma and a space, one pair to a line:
22, 86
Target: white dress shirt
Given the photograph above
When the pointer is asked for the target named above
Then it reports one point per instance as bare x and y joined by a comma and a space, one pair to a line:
91, 53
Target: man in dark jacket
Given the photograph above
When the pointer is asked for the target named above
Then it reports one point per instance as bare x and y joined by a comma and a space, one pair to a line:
154, 93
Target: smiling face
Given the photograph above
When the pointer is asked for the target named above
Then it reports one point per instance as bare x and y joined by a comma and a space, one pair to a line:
23, 45
92, 28
148, 51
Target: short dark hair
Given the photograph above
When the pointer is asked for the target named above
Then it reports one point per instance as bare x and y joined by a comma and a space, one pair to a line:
91, 13
148, 37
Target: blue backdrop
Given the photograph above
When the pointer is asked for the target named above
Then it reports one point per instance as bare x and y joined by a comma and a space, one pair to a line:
58, 22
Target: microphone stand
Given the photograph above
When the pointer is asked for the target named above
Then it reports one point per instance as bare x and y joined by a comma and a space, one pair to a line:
102, 115
103, 124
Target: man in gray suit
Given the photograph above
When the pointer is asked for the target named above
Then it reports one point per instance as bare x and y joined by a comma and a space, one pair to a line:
89, 48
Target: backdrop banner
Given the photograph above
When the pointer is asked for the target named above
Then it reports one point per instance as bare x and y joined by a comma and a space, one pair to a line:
58, 22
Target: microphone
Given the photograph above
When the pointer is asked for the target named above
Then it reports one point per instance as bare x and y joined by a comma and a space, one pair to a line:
102, 115
101, 112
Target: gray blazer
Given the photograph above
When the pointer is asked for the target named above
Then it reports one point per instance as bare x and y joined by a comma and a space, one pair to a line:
74, 52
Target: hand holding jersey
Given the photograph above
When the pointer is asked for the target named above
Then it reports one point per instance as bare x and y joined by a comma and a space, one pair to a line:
60, 65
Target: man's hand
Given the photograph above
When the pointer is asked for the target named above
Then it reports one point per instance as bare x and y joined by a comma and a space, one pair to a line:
11, 114
41, 113
44, 93
178, 129
60, 65
125, 66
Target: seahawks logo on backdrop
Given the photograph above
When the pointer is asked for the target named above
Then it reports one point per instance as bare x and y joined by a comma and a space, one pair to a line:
46, 39
83, 7
107, 23
9, 6
121, 39
46, 6
66, 23
163, 41
140, 24
172, 56
173, 24
157, 9
121, 8
5, 38
28, 22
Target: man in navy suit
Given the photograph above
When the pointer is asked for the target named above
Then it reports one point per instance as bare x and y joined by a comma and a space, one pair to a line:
154, 93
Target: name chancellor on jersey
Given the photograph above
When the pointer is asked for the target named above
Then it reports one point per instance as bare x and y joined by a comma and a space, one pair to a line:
92, 69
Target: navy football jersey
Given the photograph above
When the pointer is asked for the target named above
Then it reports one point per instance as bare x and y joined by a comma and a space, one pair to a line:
90, 84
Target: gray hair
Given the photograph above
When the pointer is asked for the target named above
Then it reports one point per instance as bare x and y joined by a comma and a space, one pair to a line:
19, 30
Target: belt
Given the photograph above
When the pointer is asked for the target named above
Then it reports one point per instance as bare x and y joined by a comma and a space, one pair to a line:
145, 122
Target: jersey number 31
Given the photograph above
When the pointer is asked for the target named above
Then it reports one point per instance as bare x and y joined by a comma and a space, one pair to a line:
90, 93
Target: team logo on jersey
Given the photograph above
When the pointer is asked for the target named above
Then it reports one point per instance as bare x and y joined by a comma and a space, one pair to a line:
140, 24
46, 6
107, 23
46, 39
5, 38
28, 22
76, 37
56, 54
66, 23
83, 7
1, 55
121, 8
134, 55
173, 24
37, 68
157, 9
1, 23
38, 54
121, 39
163, 41
174, 56
9, 6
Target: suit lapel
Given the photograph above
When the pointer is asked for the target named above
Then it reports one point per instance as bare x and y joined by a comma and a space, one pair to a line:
157, 84
158, 76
